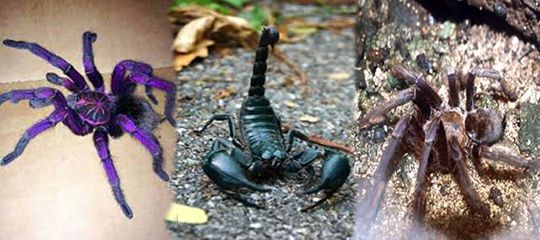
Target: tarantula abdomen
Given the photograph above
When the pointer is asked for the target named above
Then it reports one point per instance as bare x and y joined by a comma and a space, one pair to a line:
139, 110
484, 126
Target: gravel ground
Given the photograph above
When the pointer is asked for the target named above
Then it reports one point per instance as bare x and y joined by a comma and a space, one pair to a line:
328, 98
450, 46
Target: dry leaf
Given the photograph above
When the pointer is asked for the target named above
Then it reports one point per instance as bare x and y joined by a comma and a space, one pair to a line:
180, 213
203, 28
309, 118
182, 60
338, 76
225, 93
290, 104
192, 33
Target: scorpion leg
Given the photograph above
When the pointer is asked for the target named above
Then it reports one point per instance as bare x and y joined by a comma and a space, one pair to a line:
334, 173
223, 117
88, 61
101, 142
302, 161
53, 59
369, 206
227, 171
148, 141
54, 118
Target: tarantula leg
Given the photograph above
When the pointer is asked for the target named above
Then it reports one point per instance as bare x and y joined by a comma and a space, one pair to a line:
369, 207
88, 61
334, 173
422, 178
36, 129
491, 74
223, 117
463, 179
453, 91
76, 124
51, 58
426, 97
141, 73
377, 115
38, 97
147, 140
168, 87
505, 157
101, 142
61, 81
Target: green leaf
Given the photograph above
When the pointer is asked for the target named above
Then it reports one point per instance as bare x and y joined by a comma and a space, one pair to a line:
235, 3
256, 17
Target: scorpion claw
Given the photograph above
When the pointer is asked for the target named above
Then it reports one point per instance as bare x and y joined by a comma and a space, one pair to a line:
334, 173
227, 173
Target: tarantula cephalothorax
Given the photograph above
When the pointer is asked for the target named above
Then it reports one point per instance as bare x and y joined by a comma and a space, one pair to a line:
86, 111
261, 151
441, 136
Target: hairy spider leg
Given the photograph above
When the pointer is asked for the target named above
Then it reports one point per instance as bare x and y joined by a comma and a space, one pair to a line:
369, 207
44, 96
141, 73
508, 158
68, 69
147, 140
152, 82
101, 141
377, 114
232, 126
453, 91
422, 177
61, 81
463, 179
38, 97
88, 61
54, 118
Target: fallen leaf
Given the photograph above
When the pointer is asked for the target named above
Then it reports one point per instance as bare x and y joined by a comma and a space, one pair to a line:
183, 59
225, 93
180, 213
309, 118
290, 104
191, 34
338, 76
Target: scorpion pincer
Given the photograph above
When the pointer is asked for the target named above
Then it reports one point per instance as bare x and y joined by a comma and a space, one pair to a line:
261, 151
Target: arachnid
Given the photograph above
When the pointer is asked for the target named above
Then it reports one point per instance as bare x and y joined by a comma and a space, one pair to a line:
260, 150
86, 110
441, 136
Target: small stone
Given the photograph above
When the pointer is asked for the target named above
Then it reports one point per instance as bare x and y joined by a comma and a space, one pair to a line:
496, 196
255, 225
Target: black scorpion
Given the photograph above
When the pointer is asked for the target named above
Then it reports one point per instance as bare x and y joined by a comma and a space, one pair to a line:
261, 150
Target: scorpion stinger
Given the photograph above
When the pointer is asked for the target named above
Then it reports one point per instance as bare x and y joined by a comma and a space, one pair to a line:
261, 150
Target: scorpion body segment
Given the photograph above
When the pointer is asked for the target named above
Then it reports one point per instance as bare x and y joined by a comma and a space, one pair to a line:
261, 150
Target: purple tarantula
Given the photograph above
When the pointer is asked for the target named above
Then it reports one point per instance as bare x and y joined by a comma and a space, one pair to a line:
86, 111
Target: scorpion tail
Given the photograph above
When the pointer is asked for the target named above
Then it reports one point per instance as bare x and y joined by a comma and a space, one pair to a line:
269, 36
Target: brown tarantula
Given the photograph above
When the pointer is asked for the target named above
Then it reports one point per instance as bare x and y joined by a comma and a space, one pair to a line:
440, 136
